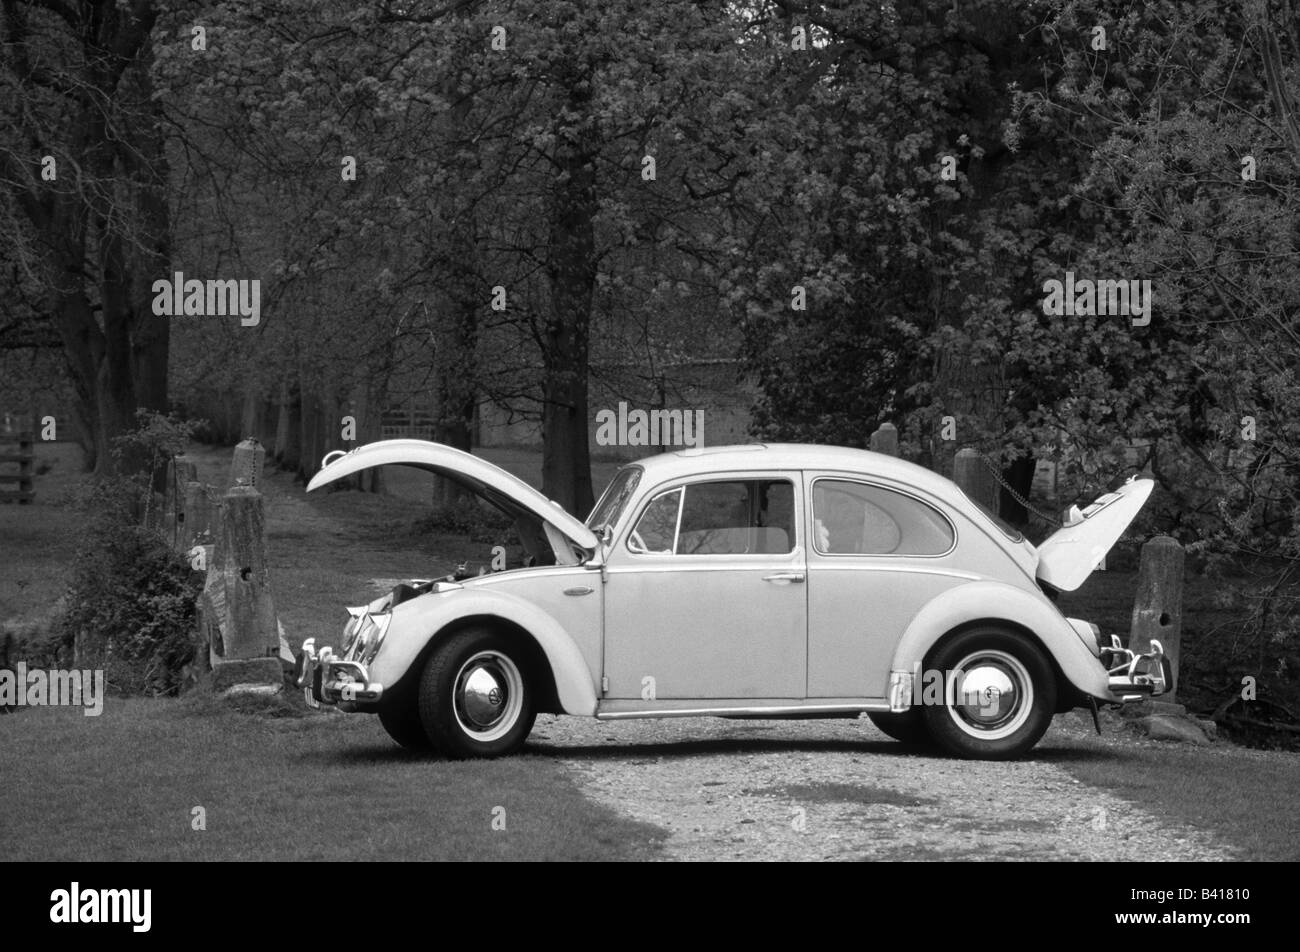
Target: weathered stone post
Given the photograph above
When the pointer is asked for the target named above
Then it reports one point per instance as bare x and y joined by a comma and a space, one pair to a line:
1158, 606
180, 471
885, 439
975, 478
184, 470
245, 650
193, 517
246, 465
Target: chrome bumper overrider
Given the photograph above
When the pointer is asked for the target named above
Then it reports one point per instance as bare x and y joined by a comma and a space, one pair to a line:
1136, 676
329, 680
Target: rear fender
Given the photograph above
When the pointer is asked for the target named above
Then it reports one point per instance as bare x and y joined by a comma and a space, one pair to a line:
1000, 603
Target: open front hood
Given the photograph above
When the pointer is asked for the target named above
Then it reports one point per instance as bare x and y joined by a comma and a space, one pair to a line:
1068, 556
477, 475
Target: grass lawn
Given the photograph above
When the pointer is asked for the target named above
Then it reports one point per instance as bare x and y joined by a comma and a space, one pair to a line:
1247, 797
122, 786
38, 541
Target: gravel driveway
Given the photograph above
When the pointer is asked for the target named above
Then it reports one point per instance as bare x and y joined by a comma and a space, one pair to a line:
841, 790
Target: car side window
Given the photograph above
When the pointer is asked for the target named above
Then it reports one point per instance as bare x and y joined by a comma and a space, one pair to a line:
727, 517
657, 528
858, 519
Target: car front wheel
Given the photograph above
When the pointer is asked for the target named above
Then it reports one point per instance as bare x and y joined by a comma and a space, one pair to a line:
402, 721
475, 700
999, 694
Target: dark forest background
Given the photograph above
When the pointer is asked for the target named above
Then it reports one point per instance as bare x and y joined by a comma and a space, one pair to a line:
642, 188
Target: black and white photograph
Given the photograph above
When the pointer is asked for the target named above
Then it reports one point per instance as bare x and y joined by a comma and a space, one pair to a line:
651, 431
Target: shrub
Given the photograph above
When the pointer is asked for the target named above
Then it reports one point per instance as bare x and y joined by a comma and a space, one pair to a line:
130, 603
480, 522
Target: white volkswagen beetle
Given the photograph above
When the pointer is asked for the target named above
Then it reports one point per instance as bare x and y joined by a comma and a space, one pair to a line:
772, 581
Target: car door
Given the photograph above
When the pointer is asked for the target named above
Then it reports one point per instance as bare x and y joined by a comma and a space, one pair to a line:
876, 555
705, 593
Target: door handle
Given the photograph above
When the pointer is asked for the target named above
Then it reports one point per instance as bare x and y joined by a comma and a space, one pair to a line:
579, 590
781, 577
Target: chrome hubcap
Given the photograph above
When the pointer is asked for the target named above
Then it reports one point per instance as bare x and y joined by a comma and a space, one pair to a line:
991, 695
488, 695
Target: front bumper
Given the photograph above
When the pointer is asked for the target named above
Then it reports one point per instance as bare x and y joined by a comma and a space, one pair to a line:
329, 680
1133, 676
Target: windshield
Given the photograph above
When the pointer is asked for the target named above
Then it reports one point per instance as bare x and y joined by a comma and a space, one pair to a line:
614, 498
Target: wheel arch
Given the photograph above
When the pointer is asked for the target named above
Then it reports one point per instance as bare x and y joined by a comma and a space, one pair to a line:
564, 678
1067, 695
1078, 673
533, 655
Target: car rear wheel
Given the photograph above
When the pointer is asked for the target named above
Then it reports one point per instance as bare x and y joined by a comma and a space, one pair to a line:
475, 700
908, 727
999, 694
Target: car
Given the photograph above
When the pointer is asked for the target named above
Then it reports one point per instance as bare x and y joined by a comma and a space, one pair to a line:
748, 581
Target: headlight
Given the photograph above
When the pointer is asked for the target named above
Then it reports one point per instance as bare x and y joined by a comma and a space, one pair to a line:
374, 636
364, 634
350, 633
362, 640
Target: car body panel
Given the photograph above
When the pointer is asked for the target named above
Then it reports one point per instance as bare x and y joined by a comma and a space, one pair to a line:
574, 661
994, 602
463, 467
877, 596
654, 628
854, 614
1068, 556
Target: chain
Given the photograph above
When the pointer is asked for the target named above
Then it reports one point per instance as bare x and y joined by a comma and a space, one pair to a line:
1051, 520
1054, 522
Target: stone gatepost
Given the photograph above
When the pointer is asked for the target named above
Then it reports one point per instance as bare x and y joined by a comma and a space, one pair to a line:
193, 518
246, 465
885, 439
1158, 606
245, 650
975, 478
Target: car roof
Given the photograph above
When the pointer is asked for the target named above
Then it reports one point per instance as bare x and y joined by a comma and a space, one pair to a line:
792, 456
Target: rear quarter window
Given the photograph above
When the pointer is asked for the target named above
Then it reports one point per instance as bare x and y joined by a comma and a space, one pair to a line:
851, 518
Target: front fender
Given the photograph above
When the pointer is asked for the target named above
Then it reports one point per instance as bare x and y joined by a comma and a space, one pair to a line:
998, 601
417, 622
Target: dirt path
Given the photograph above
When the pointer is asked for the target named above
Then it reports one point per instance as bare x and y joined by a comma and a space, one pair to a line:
840, 790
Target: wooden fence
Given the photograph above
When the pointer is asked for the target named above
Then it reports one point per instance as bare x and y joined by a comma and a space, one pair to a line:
18, 448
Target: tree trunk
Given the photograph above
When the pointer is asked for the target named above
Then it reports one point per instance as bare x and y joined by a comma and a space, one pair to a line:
291, 450
457, 343
566, 455
366, 405
455, 396
310, 430
109, 230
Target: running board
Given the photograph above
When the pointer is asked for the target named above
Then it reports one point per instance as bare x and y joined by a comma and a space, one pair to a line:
757, 711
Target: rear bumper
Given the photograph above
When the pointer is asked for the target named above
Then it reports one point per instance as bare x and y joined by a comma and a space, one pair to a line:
1133, 676
329, 680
